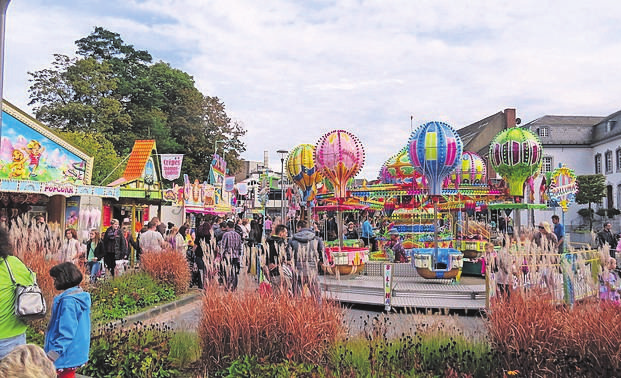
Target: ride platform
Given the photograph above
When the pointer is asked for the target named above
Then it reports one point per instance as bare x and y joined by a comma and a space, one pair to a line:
409, 290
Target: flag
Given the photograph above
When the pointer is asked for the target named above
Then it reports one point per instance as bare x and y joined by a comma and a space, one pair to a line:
229, 183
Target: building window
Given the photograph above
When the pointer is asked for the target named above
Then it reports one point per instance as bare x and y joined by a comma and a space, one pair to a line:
608, 161
598, 164
610, 125
544, 132
618, 159
546, 164
618, 194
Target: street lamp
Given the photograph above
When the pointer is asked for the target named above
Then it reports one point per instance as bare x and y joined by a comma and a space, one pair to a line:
4, 4
282, 153
215, 146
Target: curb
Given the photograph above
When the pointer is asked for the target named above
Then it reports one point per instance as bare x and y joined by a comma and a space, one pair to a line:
157, 310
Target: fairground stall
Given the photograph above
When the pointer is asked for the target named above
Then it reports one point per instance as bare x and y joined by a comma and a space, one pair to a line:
140, 187
42, 174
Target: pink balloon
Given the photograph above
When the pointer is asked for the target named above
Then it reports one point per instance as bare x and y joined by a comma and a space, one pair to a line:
340, 156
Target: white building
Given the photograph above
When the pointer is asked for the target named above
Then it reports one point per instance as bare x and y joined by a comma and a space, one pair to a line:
586, 144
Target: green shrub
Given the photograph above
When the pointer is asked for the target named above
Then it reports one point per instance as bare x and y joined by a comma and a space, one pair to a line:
250, 367
136, 352
185, 348
125, 295
422, 351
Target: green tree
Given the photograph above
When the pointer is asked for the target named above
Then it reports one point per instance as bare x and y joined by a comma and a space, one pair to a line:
105, 158
115, 89
591, 189
77, 95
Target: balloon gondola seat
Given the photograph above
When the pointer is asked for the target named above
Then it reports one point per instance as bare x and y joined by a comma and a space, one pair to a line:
446, 265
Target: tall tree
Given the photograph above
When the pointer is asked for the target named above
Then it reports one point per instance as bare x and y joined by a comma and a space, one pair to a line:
591, 189
115, 89
77, 95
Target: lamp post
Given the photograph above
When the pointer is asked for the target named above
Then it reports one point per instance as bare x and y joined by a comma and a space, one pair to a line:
215, 145
282, 153
4, 5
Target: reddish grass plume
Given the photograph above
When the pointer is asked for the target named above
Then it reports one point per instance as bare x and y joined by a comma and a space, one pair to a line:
529, 331
167, 266
273, 328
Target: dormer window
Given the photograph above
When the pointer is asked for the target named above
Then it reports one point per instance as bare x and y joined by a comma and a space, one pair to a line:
610, 125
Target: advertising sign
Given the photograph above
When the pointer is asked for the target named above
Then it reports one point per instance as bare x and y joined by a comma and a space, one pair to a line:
171, 166
27, 154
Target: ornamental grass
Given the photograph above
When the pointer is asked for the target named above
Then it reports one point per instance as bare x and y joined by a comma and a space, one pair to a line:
530, 332
272, 328
169, 267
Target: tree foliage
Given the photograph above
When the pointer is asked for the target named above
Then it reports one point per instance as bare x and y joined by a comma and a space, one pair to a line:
591, 189
105, 158
115, 92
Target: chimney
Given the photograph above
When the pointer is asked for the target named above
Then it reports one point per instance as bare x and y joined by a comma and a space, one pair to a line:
266, 159
510, 118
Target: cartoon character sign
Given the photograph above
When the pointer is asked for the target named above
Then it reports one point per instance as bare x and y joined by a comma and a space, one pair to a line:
29, 152
17, 168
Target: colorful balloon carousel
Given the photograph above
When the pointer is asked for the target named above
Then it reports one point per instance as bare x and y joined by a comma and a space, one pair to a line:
339, 156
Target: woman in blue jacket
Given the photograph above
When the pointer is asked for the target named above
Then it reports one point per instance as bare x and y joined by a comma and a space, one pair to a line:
68, 335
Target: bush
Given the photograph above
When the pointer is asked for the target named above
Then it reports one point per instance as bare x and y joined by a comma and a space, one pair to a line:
138, 351
251, 367
272, 328
169, 267
531, 332
426, 350
126, 295
585, 213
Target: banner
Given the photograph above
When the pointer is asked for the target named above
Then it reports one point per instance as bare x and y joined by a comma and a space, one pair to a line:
171, 166
229, 183
242, 188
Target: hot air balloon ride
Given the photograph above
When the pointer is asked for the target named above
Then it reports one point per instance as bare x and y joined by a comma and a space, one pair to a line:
516, 154
435, 150
399, 170
471, 170
301, 169
339, 156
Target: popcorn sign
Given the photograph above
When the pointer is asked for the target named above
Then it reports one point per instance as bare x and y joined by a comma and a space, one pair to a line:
171, 166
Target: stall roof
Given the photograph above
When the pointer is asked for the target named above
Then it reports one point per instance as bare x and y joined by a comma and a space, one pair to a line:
137, 161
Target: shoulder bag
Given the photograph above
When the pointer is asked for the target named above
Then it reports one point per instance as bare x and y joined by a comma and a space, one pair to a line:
29, 301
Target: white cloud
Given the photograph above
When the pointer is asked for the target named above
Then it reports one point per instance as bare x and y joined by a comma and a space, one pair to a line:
292, 71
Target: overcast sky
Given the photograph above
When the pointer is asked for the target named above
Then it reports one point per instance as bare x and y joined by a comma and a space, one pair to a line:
291, 71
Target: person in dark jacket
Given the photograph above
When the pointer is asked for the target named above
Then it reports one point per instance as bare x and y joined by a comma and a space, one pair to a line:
351, 233
305, 252
276, 254
113, 242
94, 254
605, 236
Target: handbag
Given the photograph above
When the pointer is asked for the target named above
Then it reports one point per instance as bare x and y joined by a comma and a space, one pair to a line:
29, 301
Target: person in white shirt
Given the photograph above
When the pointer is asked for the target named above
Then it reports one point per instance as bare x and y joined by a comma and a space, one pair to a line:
152, 240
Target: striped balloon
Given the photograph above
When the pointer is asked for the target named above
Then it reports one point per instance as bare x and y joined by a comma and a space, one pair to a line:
399, 170
301, 169
516, 155
471, 171
434, 150
339, 156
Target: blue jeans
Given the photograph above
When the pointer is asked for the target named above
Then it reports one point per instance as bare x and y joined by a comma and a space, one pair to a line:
8, 344
95, 268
